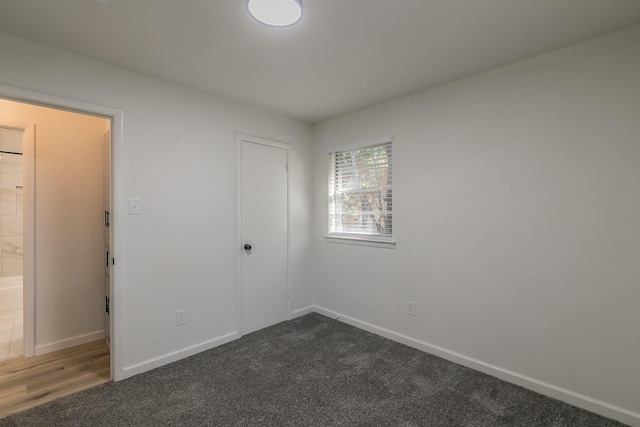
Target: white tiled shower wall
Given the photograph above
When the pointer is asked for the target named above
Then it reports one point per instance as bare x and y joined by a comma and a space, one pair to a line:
11, 203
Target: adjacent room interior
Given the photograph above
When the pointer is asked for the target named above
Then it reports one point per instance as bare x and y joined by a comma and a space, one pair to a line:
55, 199
458, 178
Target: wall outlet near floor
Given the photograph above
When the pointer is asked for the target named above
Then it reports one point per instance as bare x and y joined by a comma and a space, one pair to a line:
411, 308
181, 318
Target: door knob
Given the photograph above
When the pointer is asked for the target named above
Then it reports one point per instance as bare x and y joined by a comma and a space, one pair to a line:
247, 247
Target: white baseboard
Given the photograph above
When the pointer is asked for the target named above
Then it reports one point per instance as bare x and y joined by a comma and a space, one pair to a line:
576, 399
302, 311
159, 361
68, 342
156, 362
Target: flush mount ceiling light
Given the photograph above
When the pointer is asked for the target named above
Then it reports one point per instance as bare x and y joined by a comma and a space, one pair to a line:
277, 13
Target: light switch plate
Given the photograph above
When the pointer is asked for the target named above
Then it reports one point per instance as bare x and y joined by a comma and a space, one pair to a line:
181, 317
134, 207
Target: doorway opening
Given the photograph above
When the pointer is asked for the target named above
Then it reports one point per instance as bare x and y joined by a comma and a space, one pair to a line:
56, 210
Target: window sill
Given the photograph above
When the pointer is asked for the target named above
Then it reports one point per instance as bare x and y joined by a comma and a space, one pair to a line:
387, 244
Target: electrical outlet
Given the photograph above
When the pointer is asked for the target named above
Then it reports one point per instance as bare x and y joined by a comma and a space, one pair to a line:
411, 308
181, 317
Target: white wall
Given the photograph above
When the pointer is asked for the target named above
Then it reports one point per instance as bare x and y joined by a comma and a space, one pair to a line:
68, 223
180, 159
516, 201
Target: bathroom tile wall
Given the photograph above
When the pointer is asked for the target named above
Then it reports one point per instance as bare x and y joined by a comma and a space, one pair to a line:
11, 203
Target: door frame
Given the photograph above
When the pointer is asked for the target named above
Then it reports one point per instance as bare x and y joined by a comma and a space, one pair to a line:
270, 143
117, 205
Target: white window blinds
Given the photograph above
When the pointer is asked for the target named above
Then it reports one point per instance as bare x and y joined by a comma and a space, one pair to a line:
360, 191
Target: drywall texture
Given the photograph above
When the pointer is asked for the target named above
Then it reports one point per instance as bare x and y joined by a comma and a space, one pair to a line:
516, 218
68, 222
180, 160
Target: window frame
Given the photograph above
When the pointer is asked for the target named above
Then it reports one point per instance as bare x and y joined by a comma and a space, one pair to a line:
355, 238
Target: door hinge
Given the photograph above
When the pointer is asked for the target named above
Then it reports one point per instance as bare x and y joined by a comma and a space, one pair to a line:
106, 219
107, 302
106, 263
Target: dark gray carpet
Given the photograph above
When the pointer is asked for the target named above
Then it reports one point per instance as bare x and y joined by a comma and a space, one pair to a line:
311, 371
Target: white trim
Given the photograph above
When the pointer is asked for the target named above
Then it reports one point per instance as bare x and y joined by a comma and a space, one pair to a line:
289, 238
302, 312
29, 243
116, 242
117, 195
361, 144
361, 241
239, 234
576, 399
69, 342
263, 141
271, 143
174, 356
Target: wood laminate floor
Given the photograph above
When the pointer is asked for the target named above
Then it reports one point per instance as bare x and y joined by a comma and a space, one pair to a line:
11, 342
25, 383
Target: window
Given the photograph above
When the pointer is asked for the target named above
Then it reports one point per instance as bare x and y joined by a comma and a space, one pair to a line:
360, 182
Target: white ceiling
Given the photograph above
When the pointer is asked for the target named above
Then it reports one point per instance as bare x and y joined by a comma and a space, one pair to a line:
342, 56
